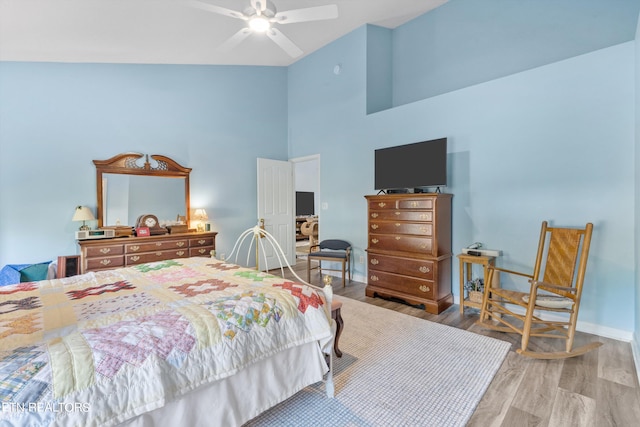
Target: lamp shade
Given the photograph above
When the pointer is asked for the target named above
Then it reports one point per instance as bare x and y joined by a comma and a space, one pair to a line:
200, 215
83, 213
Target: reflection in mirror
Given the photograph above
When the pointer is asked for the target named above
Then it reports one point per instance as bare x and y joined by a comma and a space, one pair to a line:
126, 197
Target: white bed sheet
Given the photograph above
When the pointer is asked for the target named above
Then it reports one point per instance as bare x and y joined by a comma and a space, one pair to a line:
235, 400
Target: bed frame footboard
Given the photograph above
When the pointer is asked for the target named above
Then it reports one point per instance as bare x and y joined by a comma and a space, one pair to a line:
257, 238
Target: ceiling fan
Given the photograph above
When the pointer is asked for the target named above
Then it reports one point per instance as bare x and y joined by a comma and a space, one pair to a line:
261, 16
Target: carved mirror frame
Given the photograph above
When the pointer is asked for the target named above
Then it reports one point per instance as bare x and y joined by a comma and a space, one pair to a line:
126, 163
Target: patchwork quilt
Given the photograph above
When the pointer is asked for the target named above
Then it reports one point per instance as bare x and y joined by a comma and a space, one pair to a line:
100, 348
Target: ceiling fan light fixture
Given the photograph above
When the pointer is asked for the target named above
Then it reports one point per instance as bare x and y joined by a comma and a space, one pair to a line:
259, 24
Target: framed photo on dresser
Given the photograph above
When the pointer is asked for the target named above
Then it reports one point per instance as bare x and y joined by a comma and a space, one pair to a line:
143, 231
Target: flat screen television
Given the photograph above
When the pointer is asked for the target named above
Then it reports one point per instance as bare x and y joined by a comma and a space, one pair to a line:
305, 204
418, 165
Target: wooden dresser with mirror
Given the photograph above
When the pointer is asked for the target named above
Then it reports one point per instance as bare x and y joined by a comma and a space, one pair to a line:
129, 185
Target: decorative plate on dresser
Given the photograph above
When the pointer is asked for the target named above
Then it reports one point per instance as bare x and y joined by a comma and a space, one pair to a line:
409, 249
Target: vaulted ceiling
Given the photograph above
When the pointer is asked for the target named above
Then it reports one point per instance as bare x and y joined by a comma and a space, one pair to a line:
175, 31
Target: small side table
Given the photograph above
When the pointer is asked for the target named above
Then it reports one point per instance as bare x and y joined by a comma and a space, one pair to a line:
467, 261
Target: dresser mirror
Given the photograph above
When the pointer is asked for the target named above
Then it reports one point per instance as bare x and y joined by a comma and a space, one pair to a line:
131, 184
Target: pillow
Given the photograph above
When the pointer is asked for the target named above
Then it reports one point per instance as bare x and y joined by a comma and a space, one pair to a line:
551, 301
35, 272
10, 274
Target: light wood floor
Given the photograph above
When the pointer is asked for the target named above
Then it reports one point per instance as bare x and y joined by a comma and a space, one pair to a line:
598, 389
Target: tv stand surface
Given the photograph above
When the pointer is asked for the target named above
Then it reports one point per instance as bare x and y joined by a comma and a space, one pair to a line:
418, 190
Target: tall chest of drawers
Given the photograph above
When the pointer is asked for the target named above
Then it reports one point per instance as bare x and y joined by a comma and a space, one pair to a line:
409, 249
104, 254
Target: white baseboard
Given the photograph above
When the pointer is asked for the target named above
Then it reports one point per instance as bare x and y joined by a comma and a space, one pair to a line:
589, 328
635, 349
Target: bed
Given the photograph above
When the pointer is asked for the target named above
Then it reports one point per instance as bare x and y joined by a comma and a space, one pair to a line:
191, 341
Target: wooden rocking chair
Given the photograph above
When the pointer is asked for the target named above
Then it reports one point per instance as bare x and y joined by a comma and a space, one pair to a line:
559, 292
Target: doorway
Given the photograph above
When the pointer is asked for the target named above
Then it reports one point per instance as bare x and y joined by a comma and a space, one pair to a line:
307, 187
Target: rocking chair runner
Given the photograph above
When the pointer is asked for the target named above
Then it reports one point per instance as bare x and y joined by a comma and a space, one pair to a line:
559, 291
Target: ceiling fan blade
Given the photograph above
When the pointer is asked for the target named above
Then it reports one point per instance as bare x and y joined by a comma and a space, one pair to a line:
217, 9
234, 40
284, 42
317, 13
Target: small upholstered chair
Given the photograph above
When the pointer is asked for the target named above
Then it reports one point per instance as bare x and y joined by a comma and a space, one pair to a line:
332, 250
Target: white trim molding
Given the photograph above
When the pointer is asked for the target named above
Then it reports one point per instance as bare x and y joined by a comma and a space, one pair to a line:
587, 327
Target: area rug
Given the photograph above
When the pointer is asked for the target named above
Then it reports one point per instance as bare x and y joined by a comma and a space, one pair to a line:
396, 370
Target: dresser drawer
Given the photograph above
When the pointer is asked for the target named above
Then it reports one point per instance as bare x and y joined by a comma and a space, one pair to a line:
396, 215
401, 204
202, 241
415, 204
132, 259
402, 243
102, 251
422, 269
138, 247
387, 227
104, 262
407, 285
201, 251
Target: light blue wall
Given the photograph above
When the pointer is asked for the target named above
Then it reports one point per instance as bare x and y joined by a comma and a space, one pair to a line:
637, 195
466, 42
552, 143
56, 118
379, 69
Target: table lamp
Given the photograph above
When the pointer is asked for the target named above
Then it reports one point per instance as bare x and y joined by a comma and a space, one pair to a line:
200, 215
83, 214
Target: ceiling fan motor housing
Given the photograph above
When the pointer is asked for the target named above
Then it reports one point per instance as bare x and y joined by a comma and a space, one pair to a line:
269, 10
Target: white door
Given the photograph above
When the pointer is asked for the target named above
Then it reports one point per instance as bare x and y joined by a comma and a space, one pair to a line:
276, 207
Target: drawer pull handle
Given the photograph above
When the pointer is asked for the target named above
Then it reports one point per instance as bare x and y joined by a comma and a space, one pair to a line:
398, 213
424, 269
374, 241
105, 262
374, 261
180, 253
424, 229
201, 242
398, 237
374, 226
424, 216
158, 253
180, 244
423, 246
134, 248
414, 204
374, 278
202, 251
398, 224
374, 215
105, 250
424, 288
382, 204
134, 258
158, 244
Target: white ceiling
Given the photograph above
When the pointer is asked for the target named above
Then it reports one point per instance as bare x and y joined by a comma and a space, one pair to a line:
173, 32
